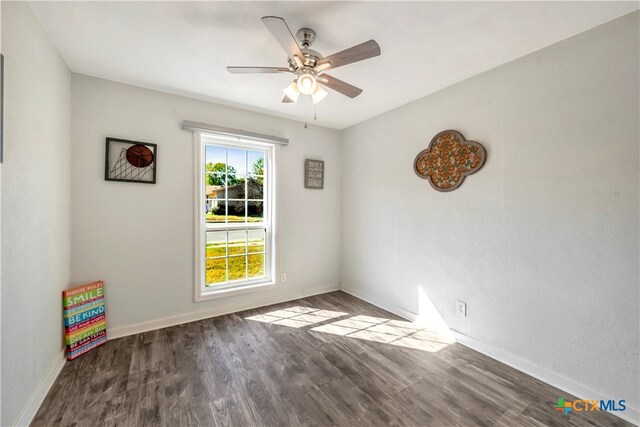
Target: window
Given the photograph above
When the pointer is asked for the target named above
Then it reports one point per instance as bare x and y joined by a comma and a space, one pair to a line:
234, 200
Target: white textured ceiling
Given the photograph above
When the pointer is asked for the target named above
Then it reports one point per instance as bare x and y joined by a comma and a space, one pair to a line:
184, 47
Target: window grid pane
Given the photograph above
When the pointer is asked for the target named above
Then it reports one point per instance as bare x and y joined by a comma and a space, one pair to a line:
246, 170
246, 251
237, 242
215, 241
216, 272
226, 196
237, 269
255, 265
234, 194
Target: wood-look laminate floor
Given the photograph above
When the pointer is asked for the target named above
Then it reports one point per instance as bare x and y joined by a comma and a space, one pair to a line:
325, 360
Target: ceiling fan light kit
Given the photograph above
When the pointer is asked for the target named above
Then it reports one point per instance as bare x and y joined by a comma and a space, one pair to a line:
307, 65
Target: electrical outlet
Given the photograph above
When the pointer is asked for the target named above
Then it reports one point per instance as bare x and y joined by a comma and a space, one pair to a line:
283, 277
461, 308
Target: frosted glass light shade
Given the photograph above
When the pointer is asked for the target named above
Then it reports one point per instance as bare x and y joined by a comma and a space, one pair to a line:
307, 84
318, 95
292, 92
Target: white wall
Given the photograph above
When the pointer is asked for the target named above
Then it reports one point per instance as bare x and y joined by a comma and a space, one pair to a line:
138, 238
542, 243
35, 205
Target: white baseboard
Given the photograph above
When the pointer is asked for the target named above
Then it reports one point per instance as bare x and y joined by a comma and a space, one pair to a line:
29, 410
219, 310
541, 373
382, 304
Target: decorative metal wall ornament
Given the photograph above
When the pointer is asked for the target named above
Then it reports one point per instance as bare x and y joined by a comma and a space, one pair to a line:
130, 161
448, 160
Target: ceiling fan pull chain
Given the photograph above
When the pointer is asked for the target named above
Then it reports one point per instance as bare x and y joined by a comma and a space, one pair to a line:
305, 115
315, 112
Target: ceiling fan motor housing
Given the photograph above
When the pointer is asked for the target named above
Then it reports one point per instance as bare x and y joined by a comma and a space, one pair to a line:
306, 36
310, 59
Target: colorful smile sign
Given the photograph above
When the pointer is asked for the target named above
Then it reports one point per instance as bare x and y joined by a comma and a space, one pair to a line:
85, 326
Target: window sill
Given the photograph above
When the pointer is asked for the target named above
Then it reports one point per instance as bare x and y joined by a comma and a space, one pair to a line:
207, 295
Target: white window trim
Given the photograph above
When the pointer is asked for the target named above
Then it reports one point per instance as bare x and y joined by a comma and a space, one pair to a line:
200, 226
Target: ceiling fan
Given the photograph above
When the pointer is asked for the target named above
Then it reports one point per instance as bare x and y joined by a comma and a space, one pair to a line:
307, 65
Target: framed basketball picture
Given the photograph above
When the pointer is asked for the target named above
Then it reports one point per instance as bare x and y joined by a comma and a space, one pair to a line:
130, 161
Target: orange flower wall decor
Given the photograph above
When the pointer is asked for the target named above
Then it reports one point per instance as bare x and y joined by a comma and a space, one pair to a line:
448, 159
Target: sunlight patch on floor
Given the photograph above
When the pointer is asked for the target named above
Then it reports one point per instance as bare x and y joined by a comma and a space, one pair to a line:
395, 332
378, 329
297, 317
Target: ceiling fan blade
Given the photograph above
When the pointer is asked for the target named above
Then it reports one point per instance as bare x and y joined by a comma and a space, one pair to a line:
252, 70
283, 36
287, 100
340, 86
357, 53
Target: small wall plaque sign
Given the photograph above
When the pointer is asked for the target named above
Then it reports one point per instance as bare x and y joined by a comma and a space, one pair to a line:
314, 174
